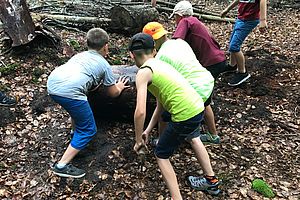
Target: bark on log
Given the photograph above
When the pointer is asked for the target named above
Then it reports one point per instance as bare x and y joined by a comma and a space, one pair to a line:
73, 19
17, 21
196, 10
122, 107
131, 19
201, 16
216, 18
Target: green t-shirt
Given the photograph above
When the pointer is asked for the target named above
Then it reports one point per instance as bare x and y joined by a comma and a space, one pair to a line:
173, 91
180, 55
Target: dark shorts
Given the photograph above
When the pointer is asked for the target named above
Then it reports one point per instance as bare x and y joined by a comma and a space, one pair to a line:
208, 100
81, 113
241, 30
177, 133
217, 69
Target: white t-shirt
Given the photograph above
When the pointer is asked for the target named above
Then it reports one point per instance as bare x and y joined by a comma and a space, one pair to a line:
80, 74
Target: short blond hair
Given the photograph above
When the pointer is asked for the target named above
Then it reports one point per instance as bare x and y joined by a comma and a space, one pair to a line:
96, 38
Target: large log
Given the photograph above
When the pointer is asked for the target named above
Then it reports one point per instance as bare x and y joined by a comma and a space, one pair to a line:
131, 19
87, 22
122, 107
17, 22
200, 16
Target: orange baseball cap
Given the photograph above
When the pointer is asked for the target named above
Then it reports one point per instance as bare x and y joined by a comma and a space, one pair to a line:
155, 29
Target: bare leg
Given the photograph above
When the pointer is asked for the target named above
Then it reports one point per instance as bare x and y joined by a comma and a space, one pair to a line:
240, 60
161, 127
69, 154
153, 3
202, 156
232, 61
209, 119
169, 177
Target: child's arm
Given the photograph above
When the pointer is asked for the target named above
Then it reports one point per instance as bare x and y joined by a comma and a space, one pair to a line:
232, 5
154, 119
116, 89
263, 15
143, 77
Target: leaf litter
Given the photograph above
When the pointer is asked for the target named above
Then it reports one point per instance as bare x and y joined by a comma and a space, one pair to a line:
259, 123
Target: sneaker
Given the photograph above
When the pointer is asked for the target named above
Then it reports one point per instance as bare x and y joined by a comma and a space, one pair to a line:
239, 78
7, 101
200, 183
68, 171
209, 138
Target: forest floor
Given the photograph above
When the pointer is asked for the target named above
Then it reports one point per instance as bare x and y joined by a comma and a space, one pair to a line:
259, 124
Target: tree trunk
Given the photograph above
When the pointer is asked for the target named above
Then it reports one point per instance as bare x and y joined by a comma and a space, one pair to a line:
122, 107
131, 19
17, 22
86, 21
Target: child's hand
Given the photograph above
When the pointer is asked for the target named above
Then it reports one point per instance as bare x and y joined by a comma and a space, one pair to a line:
262, 26
139, 146
145, 137
121, 84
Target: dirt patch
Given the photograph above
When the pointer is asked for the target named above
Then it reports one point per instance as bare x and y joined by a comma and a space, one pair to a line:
9, 115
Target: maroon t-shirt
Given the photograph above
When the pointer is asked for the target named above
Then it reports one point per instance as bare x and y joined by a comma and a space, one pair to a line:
205, 47
248, 9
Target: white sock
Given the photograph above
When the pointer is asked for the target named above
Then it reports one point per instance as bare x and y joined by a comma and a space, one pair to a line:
60, 165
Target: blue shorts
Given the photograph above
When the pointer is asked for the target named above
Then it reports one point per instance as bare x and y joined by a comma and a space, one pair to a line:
81, 113
176, 133
241, 30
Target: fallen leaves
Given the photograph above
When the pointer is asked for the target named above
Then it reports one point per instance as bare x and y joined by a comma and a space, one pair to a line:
259, 126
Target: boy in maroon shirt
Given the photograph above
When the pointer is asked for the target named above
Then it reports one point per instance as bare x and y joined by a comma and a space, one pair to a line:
250, 13
207, 51
194, 32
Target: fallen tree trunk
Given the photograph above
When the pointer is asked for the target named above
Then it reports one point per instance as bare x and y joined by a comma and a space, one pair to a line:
201, 16
73, 19
17, 22
216, 18
196, 10
132, 18
126, 19
122, 107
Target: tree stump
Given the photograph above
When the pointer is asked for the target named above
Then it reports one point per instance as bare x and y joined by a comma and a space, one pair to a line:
122, 107
17, 22
131, 19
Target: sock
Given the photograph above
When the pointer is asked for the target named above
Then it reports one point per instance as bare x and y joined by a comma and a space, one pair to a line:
232, 66
212, 135
60, 165
211, 179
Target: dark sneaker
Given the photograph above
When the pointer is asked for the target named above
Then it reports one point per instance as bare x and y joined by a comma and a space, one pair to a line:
7, 101
207, 138
68, 171
239, 78
200, 183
